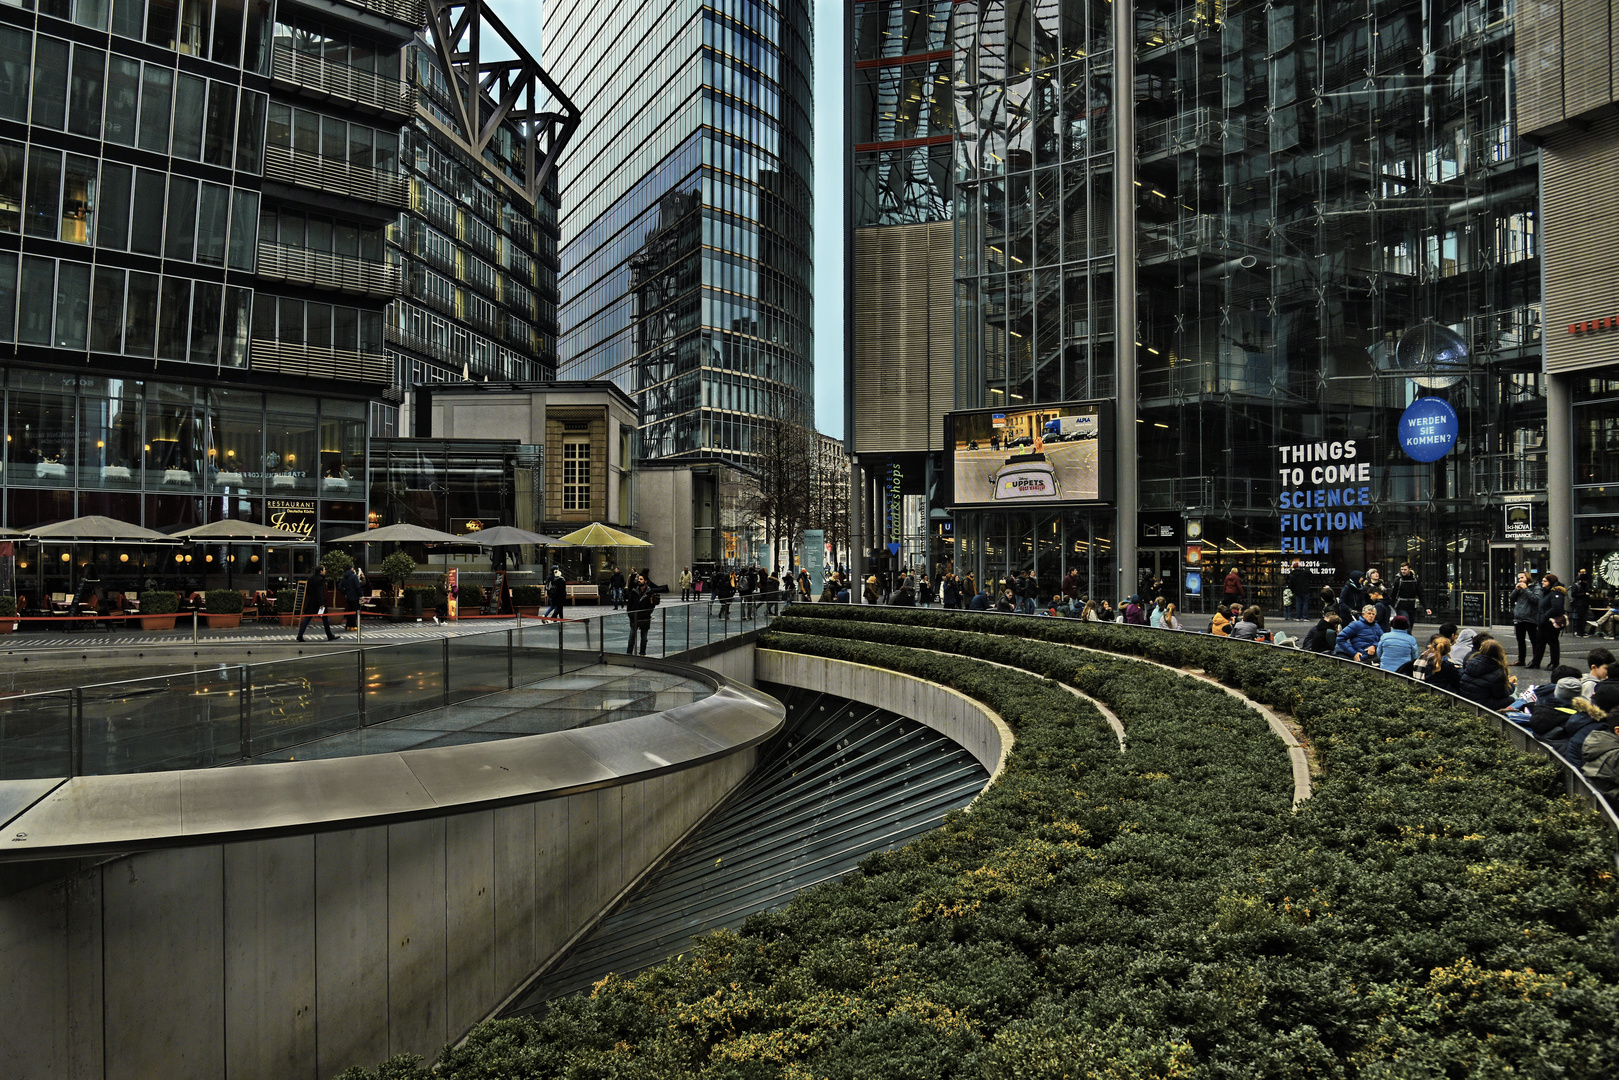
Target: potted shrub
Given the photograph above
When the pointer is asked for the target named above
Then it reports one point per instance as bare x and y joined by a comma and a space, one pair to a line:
222, 607
419, 600
284, 599
158, 610
337, 563
397, 568
471, 599
528, 600
8, 612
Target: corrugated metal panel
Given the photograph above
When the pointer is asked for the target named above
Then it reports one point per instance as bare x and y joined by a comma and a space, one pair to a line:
1587, 56
1580, 226
1539, 44
903, 312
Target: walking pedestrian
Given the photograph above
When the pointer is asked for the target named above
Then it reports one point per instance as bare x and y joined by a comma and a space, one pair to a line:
1408, 596
315, 603
685, 584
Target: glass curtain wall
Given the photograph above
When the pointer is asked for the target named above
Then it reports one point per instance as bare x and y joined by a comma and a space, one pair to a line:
1034, 183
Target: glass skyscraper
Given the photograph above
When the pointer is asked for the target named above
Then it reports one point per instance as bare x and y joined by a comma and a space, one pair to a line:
686, 239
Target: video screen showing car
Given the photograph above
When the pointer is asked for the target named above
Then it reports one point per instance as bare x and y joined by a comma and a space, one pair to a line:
1054, 453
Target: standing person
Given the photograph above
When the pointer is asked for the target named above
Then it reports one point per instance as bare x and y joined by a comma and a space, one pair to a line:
1408, 595
1374, 597
315, 603
949, 592
349, 586
746, 584
639, 599
970, 585
1233, 589
1525, 601
1550, 618
724, 590
1352, 598
1298, 579
1070, 584
1579, 602
556, 593
615, 588
804, 585
924, 592
771, 593
685, 584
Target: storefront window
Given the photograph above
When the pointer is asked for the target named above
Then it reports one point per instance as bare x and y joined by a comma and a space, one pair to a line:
291, 454
40, 436
110, 440
236, 454
1596, 442
176, 442
342, 457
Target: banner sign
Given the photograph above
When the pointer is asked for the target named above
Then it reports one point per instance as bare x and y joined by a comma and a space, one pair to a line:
1325, 491
814, 558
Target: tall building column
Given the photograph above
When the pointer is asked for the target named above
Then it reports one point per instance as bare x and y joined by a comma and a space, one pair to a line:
857, 528
1124, 285
1560, 477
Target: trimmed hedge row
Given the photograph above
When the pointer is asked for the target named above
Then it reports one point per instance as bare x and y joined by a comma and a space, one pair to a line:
1438, 908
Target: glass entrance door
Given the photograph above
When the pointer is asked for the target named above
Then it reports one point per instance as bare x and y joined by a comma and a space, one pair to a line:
1506, 561
1160, 567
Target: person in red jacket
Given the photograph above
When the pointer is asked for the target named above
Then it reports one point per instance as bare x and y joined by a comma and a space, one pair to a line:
1233, 586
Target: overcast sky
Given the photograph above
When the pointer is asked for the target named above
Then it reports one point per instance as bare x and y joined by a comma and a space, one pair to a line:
523, 18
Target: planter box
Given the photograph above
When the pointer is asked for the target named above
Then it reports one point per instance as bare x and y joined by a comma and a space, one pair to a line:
218, 621
529, 612
7, 626
158, 622
286, 619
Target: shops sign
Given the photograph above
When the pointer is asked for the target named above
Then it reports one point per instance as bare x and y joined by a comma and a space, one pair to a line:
1519, 521
293, 515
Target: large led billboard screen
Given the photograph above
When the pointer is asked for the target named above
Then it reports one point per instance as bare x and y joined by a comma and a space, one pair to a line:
1039, 455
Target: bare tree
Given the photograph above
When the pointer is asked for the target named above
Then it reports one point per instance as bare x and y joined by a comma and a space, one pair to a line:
783, 474
829, 495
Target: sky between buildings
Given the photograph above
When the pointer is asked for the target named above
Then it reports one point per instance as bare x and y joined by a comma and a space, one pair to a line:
523, 18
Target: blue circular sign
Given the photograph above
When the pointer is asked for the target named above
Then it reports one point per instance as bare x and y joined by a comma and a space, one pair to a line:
1428, 429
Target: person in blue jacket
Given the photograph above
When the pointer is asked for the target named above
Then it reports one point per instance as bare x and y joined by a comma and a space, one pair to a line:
1398, 650
1359, 639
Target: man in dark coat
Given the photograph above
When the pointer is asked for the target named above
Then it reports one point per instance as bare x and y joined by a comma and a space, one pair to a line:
1298, 579
315, 603
639, 600
349, 586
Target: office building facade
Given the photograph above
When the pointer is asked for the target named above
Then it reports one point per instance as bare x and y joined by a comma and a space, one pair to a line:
1329, 224
201, 235
685, 262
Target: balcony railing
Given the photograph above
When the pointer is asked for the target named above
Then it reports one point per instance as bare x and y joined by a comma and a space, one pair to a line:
324, 270
336, 176
316, 362
324, 78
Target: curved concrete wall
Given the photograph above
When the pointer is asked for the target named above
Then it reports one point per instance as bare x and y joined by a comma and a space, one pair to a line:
314, 943
949, 712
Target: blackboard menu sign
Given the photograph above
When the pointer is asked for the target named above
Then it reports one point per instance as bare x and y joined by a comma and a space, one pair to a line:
1473, 608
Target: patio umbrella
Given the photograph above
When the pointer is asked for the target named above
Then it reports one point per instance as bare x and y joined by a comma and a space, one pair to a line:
506, 536
240, 532
96, 529
403, 534
598, 535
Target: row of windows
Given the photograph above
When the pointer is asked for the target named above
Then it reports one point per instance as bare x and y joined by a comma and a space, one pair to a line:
744, 45
112, 97
316, 325
124, 208
306, 132
337, 46
212, 29
443, 173
124, 312
312, 232
457, 345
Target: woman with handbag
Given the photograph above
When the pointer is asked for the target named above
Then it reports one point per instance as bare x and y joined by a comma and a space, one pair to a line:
1552, 617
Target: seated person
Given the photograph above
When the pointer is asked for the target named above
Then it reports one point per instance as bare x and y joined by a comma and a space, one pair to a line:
1359, 639
1435, 666
1486, 679
1600, 661
1323, 635
1221, 624
1249, 626
980, 602
1397, 651
1550, 716
1599, 761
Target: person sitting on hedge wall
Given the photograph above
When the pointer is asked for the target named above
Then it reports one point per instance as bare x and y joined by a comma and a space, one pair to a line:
1436, 668
1601, 757
1398, 650
1600, 661
1486, 679
1250, 626
1323, 636
1359, 639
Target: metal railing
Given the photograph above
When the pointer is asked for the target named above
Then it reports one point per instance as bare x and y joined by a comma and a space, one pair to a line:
326, 78
239, 713
336, 176
324, 270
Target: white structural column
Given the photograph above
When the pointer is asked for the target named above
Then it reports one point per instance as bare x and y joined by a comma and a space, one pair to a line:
1124, 283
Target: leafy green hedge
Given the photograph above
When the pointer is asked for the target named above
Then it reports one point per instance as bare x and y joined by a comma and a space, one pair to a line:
1437, 909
